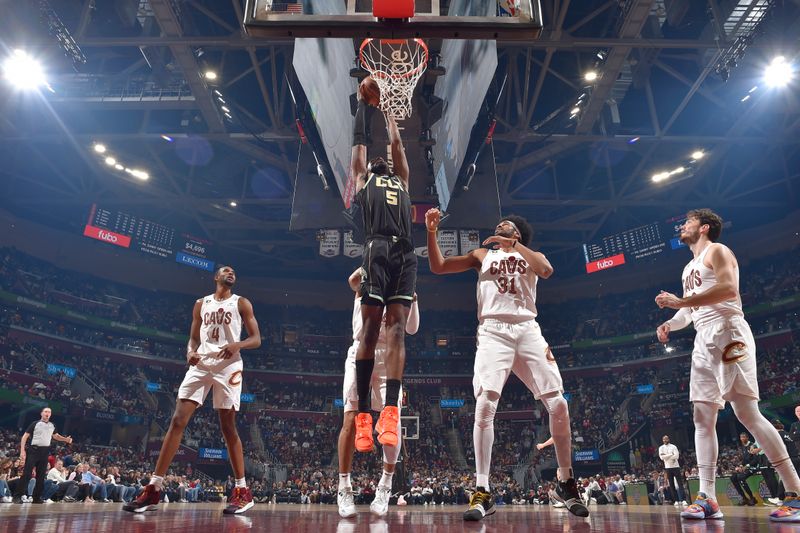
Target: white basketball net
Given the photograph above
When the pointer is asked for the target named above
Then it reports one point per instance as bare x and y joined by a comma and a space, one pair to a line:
396, 65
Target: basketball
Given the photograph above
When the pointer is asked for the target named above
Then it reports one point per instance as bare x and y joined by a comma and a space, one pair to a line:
369, 90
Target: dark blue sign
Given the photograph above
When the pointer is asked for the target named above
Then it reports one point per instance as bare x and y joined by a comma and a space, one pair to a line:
54, 369
153, 387
451, 404
586, 456
248, 397
676, 243
567, 396
644, 389
194, 261
338, 402
213, 453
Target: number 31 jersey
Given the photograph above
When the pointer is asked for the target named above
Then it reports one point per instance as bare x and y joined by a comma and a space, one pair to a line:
386, 206
506, 288
221, 325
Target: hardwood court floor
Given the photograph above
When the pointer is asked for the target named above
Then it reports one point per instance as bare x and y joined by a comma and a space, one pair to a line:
208, 518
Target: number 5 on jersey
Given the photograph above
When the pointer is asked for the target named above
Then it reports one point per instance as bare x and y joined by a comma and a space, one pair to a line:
391, 189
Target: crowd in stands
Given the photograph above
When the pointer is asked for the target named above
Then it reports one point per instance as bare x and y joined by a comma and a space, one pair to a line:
606, 409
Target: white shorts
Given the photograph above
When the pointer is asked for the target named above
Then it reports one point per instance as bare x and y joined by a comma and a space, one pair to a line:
723, 362
520, 348
377, 384
226, 381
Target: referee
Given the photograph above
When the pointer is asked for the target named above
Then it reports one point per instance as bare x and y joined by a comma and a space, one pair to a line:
40, 433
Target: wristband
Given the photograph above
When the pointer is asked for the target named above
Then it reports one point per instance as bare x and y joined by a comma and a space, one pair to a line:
514, 245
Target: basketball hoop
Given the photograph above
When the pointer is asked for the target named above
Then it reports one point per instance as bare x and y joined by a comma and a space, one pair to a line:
396, 65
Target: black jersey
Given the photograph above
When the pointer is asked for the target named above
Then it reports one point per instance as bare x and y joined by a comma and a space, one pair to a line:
387, 207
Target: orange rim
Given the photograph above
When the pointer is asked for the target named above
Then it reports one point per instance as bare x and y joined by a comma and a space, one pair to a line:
408, 74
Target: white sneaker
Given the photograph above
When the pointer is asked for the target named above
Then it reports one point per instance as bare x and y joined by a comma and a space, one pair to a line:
48, 500
677, 504
347, 506
27, 499
558, 505
380, 505
775, 501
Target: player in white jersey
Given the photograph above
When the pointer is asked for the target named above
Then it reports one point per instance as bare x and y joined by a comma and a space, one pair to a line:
509, 340
215, 363
347, 442
723, 362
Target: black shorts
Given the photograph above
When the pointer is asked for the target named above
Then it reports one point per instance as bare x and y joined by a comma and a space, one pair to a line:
390, 272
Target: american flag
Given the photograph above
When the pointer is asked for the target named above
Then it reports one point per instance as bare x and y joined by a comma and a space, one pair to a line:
288, 7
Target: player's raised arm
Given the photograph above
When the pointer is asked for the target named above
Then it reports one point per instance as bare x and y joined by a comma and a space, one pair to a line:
358, 154
399, 161
450, 265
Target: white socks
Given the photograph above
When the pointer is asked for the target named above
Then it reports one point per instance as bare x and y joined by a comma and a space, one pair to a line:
158, 481
483, 435
386, 479
344, 481
558, 410
240, 484
706, 446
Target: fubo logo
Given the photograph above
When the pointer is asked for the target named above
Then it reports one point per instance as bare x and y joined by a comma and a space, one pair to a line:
107, 236
605, 263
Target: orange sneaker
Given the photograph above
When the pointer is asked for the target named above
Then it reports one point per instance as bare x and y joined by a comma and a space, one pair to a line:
364, 441
387, 425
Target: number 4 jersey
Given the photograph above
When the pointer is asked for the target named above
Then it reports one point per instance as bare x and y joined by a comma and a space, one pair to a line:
506, 288
222, 325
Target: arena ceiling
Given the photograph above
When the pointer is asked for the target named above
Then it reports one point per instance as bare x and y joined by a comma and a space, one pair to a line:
673, 78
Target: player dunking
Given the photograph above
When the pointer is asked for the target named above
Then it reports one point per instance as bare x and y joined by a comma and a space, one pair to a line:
509, 340
723, 362
390, 273
215, 362
345, 497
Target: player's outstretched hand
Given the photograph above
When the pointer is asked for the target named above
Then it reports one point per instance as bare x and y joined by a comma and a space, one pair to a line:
432, 218
662, 332
228, 351
667, 299
498, 241
192, 358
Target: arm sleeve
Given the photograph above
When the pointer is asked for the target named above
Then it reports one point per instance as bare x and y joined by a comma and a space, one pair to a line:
30, 429
360, 124
681, 319
412, 324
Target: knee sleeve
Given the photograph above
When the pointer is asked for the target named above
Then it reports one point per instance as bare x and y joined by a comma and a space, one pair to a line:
486, 408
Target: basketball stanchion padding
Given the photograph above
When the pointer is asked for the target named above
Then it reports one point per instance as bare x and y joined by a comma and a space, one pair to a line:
393, 9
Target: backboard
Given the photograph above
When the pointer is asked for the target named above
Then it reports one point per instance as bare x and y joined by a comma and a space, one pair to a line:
509, 20
410, 427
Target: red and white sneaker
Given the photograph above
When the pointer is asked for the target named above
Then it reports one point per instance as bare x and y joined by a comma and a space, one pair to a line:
387, 425
147, 501
241, 500
702, 508
364, 442
789, 511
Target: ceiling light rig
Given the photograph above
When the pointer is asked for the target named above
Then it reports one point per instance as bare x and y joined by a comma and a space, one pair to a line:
102, 151
684, 170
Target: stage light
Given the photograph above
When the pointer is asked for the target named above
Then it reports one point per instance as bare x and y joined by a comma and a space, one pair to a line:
119, 167
698, 154
222, 101
575, 110
110, 161
746, 98
167, 138
633, 141
660, 176
225, 109
233, 204
778, 73
590, 75
669, 349
136, 173
211, 75
100, 148
23, 71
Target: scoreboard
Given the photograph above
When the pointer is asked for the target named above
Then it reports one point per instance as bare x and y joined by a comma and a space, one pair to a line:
130, 231
633, 245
